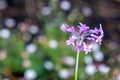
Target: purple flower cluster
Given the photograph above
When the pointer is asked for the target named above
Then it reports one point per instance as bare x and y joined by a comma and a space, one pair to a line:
83, 37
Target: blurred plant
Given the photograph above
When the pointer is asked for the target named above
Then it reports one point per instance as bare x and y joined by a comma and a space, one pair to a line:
82, 39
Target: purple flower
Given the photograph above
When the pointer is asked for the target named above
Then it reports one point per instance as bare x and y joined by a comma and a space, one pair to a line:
83, 37
70, 41
78, 47
72, 29
87, 48
67, 28
96, 31
99, 39
82, 27
91, 38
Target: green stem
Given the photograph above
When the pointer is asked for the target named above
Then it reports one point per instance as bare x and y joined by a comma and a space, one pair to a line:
76, 67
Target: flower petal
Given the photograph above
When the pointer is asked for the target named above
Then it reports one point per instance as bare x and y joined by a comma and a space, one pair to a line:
70, 41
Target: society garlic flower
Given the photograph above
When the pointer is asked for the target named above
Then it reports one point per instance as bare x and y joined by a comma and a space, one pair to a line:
82, 37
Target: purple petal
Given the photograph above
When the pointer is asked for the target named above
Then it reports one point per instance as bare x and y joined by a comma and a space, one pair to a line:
65, 27
93, 35
70, 41
91, 38
87, 48
78, 47
72, 29
95, 31
101, 30
99, 40
83, 27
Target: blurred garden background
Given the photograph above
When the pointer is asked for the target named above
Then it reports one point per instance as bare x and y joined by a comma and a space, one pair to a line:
32, 46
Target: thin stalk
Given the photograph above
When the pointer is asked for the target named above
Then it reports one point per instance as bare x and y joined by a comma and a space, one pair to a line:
76, 67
